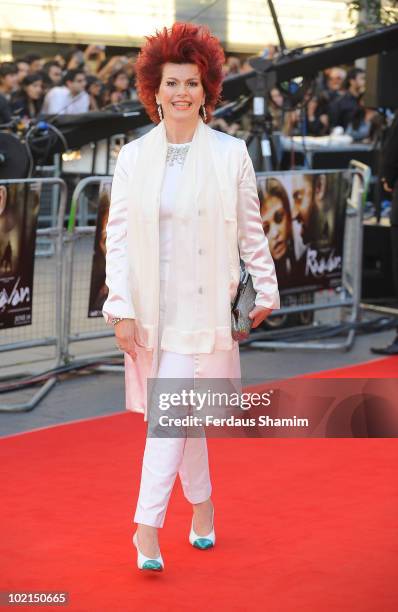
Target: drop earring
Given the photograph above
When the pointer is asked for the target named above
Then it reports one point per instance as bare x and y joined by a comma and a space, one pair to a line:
204, 113
160, 112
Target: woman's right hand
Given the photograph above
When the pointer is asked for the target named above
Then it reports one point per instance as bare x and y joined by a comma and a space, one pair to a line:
124, 332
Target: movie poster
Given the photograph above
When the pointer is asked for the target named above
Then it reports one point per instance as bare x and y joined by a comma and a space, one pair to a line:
303, 218
98, 289
19, 209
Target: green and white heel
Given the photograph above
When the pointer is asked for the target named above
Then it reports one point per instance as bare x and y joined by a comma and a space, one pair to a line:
146, 563
203, 542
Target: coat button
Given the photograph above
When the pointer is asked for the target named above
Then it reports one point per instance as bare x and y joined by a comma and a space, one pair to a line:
200, 290
200, 251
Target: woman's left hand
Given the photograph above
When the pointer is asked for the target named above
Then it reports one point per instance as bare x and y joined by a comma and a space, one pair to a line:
259, 314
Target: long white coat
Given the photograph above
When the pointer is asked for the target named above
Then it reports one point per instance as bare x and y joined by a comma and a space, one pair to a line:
222, 187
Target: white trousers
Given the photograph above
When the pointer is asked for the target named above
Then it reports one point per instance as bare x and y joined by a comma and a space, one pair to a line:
164, 458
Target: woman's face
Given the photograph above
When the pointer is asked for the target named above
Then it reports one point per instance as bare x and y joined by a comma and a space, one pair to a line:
34, 91
181, 92
23, 70
94, 89
276, 225
121, 82
276, 97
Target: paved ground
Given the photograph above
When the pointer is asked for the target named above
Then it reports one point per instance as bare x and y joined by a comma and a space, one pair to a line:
86, 395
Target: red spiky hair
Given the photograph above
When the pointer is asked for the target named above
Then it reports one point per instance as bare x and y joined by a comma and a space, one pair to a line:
183, 43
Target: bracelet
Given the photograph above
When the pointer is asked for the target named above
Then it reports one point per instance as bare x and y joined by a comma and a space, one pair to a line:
115, 320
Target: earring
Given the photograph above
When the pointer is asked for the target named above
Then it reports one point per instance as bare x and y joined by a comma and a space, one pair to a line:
160, 112
204, 113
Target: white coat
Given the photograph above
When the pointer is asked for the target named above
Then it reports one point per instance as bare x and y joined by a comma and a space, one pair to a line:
216, 219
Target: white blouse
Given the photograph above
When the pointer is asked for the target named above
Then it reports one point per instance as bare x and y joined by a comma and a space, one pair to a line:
176, 154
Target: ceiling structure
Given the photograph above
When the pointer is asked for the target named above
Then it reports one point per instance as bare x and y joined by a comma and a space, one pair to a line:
242, 25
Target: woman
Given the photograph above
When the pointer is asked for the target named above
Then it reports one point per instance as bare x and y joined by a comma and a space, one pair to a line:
277, 224
94, 88
183, 201
118, 88
28, 101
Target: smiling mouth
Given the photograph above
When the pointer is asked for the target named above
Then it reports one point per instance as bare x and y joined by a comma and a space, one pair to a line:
181, 104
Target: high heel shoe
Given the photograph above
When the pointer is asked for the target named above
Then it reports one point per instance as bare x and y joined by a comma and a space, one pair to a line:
203, 542
146, 563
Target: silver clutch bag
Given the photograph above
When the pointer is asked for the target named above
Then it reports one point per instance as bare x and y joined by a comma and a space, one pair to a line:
243, 303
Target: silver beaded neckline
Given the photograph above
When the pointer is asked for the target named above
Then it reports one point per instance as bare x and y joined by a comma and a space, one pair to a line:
176, 153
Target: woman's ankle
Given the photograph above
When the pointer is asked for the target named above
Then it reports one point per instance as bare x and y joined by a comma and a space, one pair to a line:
203, 504
147, 529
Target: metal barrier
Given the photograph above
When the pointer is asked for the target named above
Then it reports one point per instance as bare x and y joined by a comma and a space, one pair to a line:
77, 326
61, 286
48, 213
349, 293
46, 328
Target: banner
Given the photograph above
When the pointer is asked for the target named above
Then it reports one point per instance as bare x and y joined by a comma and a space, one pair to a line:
19, 209
98, 289
303, 217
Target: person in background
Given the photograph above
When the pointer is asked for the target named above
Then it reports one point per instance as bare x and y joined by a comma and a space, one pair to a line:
8, 84
59, 58
270, 52
275, 108
129, 68
28, 101
233, 65
389, 174
246, 67
54, 72
94, 57
35, 62
118, 88
74, 59
70, 98
94, 89
347, 110
317, 120
114, 64
23, 69
335, 78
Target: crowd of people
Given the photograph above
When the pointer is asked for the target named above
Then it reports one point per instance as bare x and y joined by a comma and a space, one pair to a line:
81, 81
77, 82
335, 104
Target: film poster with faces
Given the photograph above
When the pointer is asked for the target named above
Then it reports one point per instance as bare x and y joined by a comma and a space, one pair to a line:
19, 209
303, 217
98, 288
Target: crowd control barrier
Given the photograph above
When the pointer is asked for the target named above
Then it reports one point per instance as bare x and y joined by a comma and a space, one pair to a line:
343, 299
85, 333
31, 293
67, 297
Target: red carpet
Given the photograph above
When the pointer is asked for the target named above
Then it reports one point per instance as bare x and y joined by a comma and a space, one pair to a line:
378, 368
302, 524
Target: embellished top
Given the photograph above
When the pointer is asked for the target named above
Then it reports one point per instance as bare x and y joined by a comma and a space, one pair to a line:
176, 154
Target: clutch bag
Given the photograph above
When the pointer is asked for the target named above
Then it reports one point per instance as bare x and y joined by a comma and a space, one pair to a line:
243, 303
